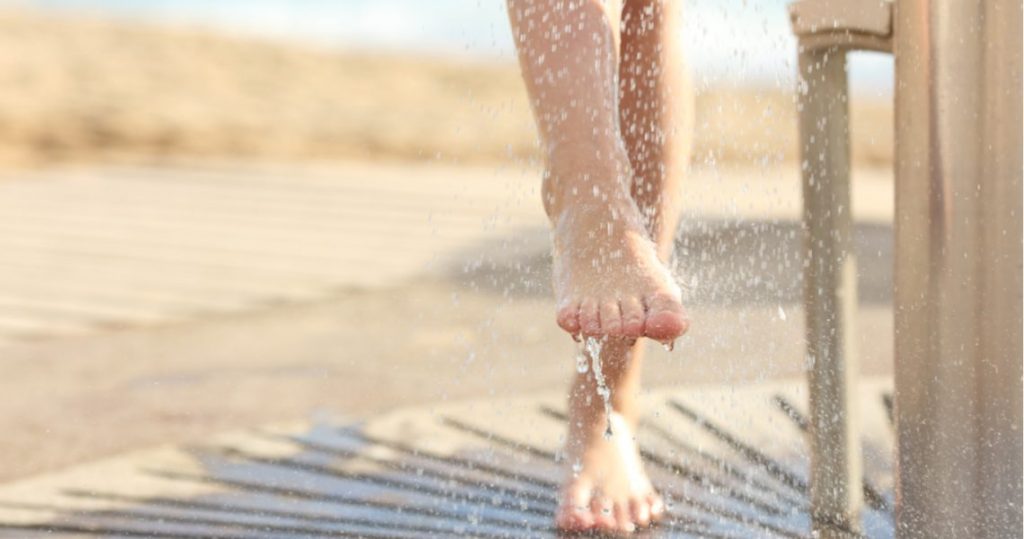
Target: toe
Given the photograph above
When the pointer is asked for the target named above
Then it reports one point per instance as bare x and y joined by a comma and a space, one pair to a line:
590, 318
632, 317
657, 505
603, 512
665, 319
611, 318
640, 511
574, 513
623, 518
569, 317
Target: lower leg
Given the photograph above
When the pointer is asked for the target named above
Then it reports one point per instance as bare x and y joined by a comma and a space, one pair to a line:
656, 118
656, 112
656, 122
568, 54
608, 278
609, 488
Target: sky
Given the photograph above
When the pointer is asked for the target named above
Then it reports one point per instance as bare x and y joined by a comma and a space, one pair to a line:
727, 41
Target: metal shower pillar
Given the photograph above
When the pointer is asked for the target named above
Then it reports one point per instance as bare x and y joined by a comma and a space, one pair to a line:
958, 276
958, 290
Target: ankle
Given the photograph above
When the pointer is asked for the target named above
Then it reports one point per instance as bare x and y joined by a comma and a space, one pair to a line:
574, 180
587, 149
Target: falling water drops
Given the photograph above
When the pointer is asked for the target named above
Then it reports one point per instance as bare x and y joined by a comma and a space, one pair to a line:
593, 347
581, 362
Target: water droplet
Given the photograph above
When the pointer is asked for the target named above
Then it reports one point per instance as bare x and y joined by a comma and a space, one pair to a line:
581, 362
593, 347
669, 345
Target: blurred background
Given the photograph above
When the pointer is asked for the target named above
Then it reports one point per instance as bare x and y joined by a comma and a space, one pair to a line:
85, 80
216, 215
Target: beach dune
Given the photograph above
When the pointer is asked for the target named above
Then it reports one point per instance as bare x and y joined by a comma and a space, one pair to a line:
79, 88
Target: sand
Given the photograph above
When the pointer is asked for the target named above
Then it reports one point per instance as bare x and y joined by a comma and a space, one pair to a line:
79, 89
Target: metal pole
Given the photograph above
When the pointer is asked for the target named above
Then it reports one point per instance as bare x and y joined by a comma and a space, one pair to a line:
958, 268
830, 292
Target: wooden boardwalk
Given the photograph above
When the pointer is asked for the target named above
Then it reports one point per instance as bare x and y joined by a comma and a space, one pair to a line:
732, 462
84, 250
125, 247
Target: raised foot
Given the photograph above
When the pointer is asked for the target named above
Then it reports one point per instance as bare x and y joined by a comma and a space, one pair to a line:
609, 280
608, 490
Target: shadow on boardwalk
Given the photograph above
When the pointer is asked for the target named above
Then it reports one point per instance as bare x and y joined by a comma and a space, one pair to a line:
719, 262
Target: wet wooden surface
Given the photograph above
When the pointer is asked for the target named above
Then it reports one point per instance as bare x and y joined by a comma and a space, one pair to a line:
732, 462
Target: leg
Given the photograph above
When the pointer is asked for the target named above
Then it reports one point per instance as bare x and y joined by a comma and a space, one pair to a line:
656, 117
656, 121
656, 112
608, 278
608, 488
602, 241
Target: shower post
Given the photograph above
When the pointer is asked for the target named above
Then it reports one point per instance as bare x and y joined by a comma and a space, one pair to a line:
957, 301
826, 31
830, 291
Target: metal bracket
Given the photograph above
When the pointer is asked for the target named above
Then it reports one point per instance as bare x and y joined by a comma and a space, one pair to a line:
855, 25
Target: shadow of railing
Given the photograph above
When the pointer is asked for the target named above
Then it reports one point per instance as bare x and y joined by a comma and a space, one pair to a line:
346, 482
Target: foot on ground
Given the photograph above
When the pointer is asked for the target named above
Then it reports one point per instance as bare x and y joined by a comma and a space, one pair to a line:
607, 490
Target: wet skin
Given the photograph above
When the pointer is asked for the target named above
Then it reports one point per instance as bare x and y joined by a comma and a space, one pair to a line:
608, 279
615, 125
610, 284
609, 489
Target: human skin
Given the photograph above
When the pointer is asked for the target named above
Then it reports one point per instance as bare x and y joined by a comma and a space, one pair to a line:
613, 106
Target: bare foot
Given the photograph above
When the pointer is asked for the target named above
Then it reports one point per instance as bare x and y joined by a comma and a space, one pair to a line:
608, 278
608, 490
